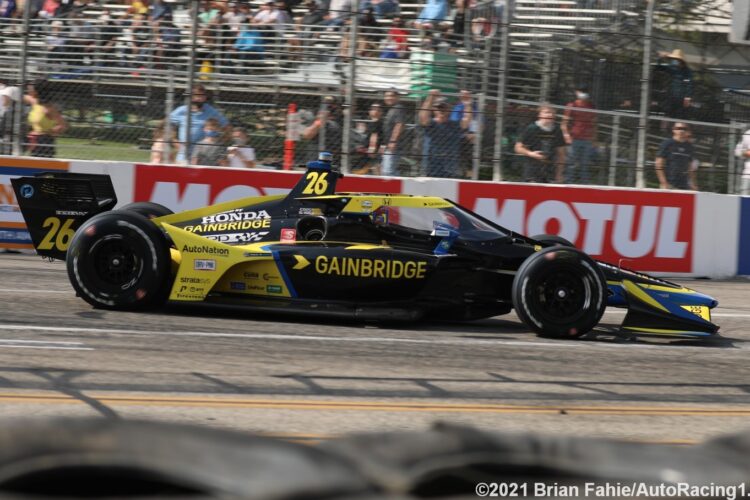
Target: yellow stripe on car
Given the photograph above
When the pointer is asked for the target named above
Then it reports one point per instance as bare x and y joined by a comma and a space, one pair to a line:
641, 295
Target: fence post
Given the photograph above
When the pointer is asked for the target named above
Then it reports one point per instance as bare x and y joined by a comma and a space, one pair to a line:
614, 149
497, 167
191, 81
349, 110
168, 107
17, 115
640, 161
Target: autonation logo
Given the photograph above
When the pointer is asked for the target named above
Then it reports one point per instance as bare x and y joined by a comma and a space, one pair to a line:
223, 252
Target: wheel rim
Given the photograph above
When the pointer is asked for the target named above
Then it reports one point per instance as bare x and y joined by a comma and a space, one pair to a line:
116, 263
562, 296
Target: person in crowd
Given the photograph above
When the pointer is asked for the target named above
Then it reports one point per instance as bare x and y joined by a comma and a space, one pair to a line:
324, 133
8, 9
444, 147
396, 45
158, 10
393, 132
679, 95
249, 45
741, 151
676, 165
211, 151
236, 15
367, 161
49, 9
579, 130
44, 119
56, 40
167, 42
164, 146
383, 8
200, 111
9, 96
306, 26
108, 34
207, 11
240, 154
543, 146
469, 135
338, 12
433, 12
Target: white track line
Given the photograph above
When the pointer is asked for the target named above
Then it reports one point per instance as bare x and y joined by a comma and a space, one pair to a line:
320, 338
43, 344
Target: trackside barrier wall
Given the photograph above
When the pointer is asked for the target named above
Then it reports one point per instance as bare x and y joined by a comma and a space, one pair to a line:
665, 233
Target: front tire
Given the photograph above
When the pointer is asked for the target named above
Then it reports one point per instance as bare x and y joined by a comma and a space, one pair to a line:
560, 292
120, 260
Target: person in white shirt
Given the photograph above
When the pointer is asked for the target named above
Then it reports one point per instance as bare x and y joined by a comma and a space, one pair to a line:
9, 96
743, 151
239, 154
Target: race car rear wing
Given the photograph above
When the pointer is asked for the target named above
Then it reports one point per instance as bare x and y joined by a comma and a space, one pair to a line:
55, 204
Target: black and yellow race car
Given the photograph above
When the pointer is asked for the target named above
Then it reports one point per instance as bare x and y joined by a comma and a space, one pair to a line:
373, 256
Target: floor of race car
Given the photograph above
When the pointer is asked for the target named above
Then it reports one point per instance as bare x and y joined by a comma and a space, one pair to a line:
314, 379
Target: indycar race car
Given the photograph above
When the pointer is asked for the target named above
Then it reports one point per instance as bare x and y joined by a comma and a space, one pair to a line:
372, 256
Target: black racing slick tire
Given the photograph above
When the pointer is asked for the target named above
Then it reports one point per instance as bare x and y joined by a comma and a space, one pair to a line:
553, 239
560, 292
147, 209
120, 260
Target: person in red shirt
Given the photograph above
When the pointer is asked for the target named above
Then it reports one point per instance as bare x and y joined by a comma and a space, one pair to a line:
579, 130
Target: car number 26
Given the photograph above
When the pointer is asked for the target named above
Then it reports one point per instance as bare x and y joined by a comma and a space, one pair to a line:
317, 183
59, 234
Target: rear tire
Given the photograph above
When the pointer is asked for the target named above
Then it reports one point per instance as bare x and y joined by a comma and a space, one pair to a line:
560, 292
147, 209
120, 260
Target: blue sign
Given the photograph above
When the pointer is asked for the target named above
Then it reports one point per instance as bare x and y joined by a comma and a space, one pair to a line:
743, 259
27, 190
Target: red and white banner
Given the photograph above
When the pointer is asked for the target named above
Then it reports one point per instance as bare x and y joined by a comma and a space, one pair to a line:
644, 230
185, 188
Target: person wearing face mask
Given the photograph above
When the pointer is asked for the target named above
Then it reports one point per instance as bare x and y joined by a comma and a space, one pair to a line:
211, 151
200, 112
678, 97
543, 146
579, 130
239, 154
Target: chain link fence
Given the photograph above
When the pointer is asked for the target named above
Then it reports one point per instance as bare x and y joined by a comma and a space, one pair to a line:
358, 77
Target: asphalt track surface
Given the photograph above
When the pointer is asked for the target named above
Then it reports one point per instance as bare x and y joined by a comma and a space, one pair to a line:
312, 379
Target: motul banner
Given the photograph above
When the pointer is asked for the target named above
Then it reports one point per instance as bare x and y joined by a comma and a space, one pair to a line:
644, 230
185, 188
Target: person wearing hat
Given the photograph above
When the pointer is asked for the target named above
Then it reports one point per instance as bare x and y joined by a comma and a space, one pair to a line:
679, 92
579, 130
444, 135
9, 96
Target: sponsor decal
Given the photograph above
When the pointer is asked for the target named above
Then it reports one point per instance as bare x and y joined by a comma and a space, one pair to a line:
256, 288
229, 226
235, 216
250, 275
204, 265
366, 204
191, 289
273, 289
649, 231
74, 213
288, 235
27, 190
199, 281
183, 188
221, 252
237, 285
370, 268
310, 211
238, 237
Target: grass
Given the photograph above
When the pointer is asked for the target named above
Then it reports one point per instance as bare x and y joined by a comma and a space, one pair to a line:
86, 149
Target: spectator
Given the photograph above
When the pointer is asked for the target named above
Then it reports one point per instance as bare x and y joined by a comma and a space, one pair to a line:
249, 44
83, 36
338, 12
444, 135
367, 161
167, 42
109, 32
393, 132
138, 7
676, 165
240, 154
469, 135
9, 96
200, 112
211, 151
741, 151
324, 133
163, 149
8, 8
306, 26
433, 12
579, 131
543, 145
236, 16
56, 41
267, 15
396, 44
159, 10
45, 120
679, 93
207, 12
383, 8
49, 9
